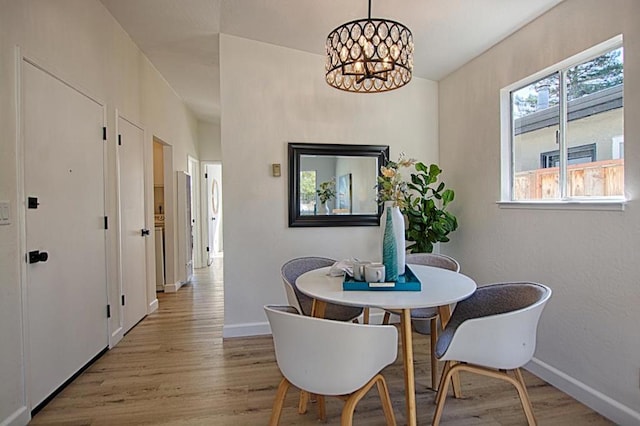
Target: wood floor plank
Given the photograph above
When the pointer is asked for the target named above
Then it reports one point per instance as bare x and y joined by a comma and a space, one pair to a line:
174, 368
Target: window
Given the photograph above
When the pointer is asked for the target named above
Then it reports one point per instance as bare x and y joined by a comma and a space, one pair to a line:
562, 130
575, 155
308, 192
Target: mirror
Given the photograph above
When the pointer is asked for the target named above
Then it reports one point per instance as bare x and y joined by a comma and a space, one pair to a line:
334, 184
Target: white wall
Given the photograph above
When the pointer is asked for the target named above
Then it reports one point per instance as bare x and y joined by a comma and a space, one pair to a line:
209, 141
270, 96
82, 43
588, 337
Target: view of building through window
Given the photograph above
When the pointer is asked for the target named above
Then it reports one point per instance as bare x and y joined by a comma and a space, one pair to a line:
567, 132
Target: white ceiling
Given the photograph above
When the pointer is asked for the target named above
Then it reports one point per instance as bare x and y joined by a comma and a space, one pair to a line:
180, 37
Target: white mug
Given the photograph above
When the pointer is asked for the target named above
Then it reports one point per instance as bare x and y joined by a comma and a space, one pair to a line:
374, 273
358, 269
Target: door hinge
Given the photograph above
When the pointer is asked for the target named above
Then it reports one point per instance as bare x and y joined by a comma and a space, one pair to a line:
206, 175
119, 139
106, 222
108, 311
123, 300
207, 249
104, 133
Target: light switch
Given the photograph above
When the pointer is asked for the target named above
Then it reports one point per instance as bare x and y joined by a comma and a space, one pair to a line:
275, 170
5, 209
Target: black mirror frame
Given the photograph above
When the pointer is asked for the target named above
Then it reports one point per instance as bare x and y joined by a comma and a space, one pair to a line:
295, 150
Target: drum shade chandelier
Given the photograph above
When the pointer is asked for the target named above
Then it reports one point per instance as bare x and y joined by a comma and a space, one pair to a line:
369, 55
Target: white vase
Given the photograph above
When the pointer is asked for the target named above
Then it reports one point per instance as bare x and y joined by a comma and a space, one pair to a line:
398, 231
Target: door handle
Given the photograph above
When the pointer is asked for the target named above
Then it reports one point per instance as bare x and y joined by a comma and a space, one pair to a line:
144, 232
38, 256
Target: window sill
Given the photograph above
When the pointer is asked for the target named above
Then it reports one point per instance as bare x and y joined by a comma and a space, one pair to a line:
602, 205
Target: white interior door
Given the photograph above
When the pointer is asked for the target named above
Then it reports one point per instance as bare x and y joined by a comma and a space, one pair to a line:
214, 215
133, 230
63, 170
194, 170
185, 229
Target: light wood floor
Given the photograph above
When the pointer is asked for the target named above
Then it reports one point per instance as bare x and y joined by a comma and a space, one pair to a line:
174, 368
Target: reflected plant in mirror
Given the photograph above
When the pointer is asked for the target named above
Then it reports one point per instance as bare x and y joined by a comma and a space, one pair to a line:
334, 184
327, 192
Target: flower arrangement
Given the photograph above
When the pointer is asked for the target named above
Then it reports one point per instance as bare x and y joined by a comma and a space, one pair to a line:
391, 186
422, 199
327, 191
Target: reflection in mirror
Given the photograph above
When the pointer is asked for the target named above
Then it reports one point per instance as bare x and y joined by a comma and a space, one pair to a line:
333, 184
349, 182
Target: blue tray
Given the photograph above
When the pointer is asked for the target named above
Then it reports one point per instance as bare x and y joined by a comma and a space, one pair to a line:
406, 282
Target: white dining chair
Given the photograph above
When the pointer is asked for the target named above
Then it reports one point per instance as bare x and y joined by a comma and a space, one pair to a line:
493, 333
331, 358
290, 272
420, 317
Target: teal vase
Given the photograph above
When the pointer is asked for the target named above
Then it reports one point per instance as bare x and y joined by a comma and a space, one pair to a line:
389, 250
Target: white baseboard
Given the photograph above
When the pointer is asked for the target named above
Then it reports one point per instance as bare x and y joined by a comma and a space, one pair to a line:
153, 306
613, 410
20, 417
246, 329
172, 288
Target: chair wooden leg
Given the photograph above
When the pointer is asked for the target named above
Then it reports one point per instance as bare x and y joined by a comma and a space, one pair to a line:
365, 317
444, 312
385, 319
442, 392
518, 373
354, 398
385, 399
322, 411
524, 398
302, 404
317, 308
517, 382
456, 386
279, 401
434, 361
445, 370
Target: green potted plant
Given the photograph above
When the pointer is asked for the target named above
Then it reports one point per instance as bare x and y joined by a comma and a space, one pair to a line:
327, 192
425, 209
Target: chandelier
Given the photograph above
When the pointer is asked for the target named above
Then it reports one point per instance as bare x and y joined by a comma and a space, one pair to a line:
369, 55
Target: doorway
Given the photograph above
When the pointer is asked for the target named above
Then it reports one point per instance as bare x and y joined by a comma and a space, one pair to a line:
212, 211
163, 213
159, 213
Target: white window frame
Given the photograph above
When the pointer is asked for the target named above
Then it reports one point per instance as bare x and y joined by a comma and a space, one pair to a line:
506, 148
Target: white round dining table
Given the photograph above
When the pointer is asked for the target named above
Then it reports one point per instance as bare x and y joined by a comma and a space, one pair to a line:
439, 288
